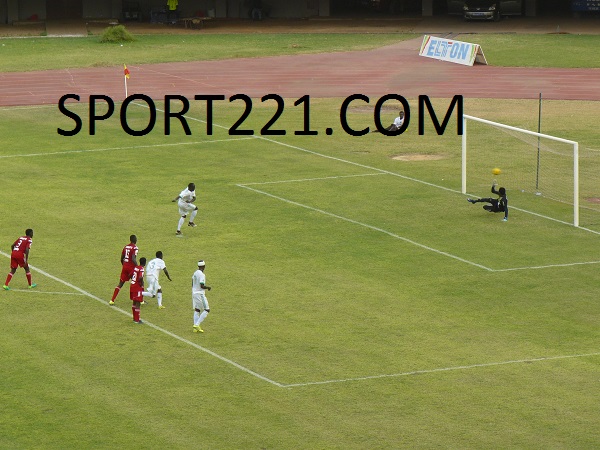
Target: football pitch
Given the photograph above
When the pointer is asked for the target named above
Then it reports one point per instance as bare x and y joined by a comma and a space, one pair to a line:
358, 301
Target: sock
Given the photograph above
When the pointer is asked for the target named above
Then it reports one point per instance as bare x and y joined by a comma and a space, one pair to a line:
8, 278
202, 317
136, 313
181, 220
194, 212
117, 289
196, 318
28, 275
159, 298
146, 294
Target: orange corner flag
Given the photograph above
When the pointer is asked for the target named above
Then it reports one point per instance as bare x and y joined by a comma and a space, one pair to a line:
126, 71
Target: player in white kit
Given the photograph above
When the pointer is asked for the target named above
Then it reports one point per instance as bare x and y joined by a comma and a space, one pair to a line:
185, 201
199, 300
153, 269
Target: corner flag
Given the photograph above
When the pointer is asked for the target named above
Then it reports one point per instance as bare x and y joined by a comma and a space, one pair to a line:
126, 71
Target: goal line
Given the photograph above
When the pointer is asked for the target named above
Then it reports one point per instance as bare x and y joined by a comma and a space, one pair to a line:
534, 159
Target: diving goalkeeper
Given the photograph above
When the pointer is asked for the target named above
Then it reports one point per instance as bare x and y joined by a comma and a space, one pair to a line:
495, 205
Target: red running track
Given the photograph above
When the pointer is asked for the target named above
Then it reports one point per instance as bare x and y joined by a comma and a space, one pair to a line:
394, 69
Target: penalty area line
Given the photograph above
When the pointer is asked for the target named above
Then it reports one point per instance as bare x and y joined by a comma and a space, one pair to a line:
443, 369
133, 147
549, 266
302, 180
371, 227
156, 327
37, 291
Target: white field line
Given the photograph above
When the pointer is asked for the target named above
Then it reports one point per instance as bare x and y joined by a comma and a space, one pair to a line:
443, 369
416, 180
12, 108
312, 179
37, 291
310, 383
381, 171
294, 147
133, 147
371, 227
376, 169
245, 185
549, 266
156, 327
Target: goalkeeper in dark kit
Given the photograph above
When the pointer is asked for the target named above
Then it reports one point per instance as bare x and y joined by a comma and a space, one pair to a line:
495, 205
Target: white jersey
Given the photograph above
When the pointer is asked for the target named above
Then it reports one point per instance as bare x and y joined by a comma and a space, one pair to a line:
198, 279
154, 267
187, 196
398, 121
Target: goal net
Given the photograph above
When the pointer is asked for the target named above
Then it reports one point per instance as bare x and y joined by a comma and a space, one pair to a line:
543, 174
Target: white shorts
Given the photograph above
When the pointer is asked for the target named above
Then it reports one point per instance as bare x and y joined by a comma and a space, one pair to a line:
199, 301
153, 285
185, 208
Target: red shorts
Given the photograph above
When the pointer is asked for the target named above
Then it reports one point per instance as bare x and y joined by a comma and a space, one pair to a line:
126, 273
18, 261
135, 293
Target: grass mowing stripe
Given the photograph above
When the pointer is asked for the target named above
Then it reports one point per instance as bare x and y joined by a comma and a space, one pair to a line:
364, 166
157, 328
381, 230
314, 383
245, 185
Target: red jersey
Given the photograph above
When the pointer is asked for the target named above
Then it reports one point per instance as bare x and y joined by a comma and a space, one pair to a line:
137, 284
20, 247
137, 278
128, 254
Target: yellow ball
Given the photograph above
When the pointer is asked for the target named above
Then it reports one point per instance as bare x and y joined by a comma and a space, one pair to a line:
496, 171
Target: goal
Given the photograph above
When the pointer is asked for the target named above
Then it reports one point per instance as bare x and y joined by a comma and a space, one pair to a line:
541, 172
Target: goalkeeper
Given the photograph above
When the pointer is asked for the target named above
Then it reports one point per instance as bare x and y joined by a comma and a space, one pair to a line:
495, 205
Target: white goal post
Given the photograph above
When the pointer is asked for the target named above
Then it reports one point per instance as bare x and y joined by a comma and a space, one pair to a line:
574, 145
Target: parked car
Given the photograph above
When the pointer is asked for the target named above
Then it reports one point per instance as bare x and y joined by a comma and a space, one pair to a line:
481, 9
485, 9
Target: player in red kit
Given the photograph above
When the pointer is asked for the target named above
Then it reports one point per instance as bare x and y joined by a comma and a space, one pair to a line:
19, 257
129, 262
136, 290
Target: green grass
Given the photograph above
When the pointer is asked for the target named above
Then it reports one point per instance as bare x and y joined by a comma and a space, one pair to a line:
58, 53
316, 279
538, 50
18, 55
